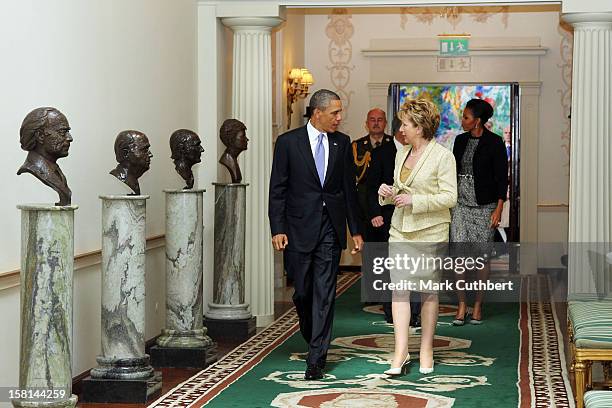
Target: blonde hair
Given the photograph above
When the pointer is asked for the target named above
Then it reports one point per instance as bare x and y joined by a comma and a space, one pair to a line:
423, 113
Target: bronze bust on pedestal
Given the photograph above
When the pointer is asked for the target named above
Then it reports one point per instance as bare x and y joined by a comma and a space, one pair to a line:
233, 136
134, 158
45, 134
186, 149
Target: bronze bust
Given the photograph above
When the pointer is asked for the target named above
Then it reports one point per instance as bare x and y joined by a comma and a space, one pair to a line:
45, 135
134, 158
233, 136
186, 149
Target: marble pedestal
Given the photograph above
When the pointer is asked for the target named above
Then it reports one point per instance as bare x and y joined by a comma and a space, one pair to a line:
101, 390
184, 342
229, 280
234, 330
47, 261
229, 232
123, 298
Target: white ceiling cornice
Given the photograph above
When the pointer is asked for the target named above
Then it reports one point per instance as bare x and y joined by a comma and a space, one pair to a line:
231, 8
378, 3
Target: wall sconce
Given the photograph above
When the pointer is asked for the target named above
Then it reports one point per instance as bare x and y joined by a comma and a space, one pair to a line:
298, 82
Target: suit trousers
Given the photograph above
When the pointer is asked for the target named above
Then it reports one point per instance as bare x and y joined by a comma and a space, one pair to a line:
314, 279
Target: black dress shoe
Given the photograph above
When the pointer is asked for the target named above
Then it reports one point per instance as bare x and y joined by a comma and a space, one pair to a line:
313, 372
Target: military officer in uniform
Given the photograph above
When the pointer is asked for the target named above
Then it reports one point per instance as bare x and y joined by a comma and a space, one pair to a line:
362, 148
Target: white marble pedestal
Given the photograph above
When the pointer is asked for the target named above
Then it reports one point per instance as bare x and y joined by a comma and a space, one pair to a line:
47, 260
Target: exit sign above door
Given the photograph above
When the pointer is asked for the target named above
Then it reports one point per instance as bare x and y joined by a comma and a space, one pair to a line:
454, 45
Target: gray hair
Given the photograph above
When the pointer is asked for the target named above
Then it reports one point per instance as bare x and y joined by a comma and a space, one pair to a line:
34, 123
321, 99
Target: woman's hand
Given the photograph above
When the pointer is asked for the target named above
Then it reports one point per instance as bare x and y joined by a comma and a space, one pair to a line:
402, 200
496, 217
385, 191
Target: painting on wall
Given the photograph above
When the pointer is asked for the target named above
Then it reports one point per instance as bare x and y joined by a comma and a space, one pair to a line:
451, 99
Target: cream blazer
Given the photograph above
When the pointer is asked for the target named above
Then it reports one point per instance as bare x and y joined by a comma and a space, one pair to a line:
433, 185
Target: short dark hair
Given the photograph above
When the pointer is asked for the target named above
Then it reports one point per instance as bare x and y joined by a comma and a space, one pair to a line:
480, 109
124, 142
177, 141
321, 99
229, 129
396, 124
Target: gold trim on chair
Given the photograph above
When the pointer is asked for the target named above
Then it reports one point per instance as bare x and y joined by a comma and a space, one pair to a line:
582, 365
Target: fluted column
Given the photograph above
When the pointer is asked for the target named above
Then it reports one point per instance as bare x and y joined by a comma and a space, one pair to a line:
590, 195
252, 104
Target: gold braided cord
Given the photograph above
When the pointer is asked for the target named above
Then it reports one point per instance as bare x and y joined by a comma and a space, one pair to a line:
365, 161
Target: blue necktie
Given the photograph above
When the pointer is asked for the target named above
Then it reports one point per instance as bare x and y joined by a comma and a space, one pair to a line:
320, 159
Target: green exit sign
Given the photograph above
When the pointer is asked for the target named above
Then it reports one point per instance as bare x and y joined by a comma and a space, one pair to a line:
454, 46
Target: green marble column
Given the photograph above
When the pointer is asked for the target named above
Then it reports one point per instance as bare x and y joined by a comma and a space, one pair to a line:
47, 260
229, 232
184, 310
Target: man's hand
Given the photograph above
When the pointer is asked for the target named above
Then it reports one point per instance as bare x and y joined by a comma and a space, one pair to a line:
279, 242
358, 244
378, 221
385, 191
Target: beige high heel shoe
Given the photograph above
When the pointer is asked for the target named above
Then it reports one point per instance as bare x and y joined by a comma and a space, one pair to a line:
427, 370
401, 370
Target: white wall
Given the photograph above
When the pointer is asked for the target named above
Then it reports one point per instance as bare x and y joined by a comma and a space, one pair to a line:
359, 26
108, 65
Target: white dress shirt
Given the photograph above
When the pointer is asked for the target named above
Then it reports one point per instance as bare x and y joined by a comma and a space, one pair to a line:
313, 137
398, 145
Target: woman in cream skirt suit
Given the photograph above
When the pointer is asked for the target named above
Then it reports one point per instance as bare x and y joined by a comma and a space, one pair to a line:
424, 189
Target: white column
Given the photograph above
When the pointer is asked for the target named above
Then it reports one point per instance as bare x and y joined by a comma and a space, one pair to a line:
211, 94
590, 194
252, 104
528, 207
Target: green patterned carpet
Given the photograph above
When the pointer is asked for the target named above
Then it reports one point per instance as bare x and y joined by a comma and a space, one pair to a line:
475, 366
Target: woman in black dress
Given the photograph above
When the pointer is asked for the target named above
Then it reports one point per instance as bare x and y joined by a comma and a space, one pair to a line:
482, 181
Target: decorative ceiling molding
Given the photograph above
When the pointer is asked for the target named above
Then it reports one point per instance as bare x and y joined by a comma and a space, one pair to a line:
340, 31
454, 15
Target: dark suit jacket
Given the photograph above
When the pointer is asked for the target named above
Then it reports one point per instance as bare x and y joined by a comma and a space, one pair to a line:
296, 196
490, 166
381, 170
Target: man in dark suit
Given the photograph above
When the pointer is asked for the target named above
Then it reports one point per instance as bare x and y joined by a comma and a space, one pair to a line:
382, 166
312, 197
363, 150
